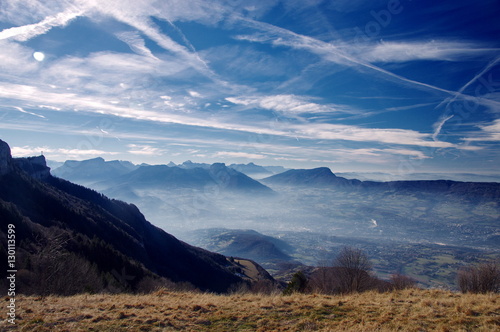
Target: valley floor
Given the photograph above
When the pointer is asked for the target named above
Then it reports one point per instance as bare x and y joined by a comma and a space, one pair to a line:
408, 310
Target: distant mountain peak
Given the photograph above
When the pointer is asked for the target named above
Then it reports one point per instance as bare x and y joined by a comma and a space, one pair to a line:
323, 170
189, 164
93, 169
321, 176
251, 169
97, 159
218, 166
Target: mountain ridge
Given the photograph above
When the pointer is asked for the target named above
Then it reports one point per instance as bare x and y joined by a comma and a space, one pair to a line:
93, 169
165, 177
52, 207
324, 177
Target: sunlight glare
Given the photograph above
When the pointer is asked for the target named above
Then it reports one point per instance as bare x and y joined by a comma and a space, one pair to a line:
39, 56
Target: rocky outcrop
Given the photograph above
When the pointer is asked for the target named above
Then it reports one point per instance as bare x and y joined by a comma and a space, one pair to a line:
5, 158
36, 167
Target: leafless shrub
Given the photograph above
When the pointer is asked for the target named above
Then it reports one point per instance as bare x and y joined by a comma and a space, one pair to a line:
348, 272
266, 287
483, 278
55, 270
400, 281
352, 273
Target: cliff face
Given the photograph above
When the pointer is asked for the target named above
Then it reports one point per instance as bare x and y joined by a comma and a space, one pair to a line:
6, 165
34, 166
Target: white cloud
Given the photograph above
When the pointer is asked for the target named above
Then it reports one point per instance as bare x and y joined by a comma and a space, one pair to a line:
441, 50
30, 11
115, 83
27, 151
49, 107
360, 134
141, 149
136, 43
194, 94
137, 15
328, 51
488, 133
406, 152
225, 154
134, 13
241, 101
303, 131
16, 59
346, 55
289, 104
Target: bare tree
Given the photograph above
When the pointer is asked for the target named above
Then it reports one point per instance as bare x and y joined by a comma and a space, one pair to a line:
324, 280
400, 281
59, 271
353, 270
483, 278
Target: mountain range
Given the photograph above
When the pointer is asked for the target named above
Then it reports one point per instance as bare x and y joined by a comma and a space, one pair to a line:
93, 170
71, 239
323, 177
315, 211
118, 174
103, 175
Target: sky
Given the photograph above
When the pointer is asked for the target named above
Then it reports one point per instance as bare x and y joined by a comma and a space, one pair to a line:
395, 86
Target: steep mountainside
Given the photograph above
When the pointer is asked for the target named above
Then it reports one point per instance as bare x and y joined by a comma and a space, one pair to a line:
86, 241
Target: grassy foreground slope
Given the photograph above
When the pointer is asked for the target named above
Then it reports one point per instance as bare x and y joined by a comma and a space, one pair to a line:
407, 310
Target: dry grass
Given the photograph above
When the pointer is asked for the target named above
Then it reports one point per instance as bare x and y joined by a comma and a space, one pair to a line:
408, 310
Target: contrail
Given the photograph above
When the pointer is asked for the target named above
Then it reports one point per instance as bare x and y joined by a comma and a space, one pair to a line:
26, 32
438, 126
324, 49
475, 78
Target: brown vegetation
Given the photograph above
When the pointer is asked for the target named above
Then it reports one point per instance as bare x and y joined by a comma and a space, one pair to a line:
406, 310
483, 278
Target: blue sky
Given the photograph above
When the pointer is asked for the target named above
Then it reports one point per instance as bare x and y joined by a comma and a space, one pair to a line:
395, 86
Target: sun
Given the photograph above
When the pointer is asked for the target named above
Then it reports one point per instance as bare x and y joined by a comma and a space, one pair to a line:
39, 56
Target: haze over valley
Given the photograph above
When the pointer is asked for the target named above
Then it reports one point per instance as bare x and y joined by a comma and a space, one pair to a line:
425, 228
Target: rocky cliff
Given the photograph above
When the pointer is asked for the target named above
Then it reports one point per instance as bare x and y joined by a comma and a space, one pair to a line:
5, 158
34, 166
